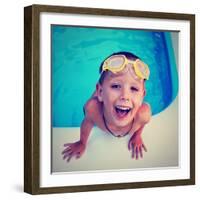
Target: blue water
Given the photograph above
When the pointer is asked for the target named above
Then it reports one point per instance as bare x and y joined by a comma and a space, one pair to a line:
77, 53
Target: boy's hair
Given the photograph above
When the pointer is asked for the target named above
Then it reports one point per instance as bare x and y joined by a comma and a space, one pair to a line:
128, 55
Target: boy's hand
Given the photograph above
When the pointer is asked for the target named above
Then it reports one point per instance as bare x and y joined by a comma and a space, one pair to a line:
73, 150
136, 145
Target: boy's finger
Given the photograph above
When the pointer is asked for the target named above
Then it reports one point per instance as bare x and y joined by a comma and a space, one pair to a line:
65, 156
133, 153
66, 150
140, 151
70, 157
81, 153
136, 152
129, 145
144, 147
68, 153
78, 155
67, 144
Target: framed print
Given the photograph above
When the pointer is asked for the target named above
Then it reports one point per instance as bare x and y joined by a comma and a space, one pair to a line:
109, 99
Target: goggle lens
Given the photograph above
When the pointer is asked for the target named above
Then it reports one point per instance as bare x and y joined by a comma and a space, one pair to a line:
142, 67
116, 62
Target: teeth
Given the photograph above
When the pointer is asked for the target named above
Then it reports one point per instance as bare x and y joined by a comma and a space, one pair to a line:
123, 108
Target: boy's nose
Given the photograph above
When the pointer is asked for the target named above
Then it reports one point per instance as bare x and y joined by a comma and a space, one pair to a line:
125, 95
124, 99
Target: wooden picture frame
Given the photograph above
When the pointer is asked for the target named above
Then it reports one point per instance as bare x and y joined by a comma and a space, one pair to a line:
33, 71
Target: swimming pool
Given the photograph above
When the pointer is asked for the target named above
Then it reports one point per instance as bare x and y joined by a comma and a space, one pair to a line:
77, 53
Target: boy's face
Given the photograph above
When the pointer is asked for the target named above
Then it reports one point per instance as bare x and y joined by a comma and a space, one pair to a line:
121, 94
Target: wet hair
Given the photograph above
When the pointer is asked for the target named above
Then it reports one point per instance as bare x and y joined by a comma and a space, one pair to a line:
128, 55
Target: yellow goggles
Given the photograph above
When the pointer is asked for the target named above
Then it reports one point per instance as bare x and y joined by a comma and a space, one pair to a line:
117, 63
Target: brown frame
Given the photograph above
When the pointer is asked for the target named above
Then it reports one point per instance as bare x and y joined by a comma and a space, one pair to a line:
32, 91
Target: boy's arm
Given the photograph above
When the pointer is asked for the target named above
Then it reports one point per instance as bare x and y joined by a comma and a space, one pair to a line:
78, 148
143, 117
135, 144
85, 130
89, 120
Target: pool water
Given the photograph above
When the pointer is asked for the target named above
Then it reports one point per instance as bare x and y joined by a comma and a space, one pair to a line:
77, 53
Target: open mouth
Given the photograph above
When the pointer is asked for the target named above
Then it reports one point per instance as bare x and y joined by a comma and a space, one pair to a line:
122, 111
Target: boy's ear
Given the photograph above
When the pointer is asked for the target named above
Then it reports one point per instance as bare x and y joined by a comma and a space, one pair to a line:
144, 89
99, 92
144, 93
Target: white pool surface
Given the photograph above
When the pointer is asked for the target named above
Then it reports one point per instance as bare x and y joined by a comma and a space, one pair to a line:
106, 152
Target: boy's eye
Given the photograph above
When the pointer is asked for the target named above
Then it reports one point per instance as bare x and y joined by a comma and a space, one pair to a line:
134, 89
115, 86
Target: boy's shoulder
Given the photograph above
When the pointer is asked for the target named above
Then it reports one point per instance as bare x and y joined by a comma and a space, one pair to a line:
92, 107
144, 113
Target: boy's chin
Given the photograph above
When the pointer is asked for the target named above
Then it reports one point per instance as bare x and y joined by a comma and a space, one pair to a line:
123, 123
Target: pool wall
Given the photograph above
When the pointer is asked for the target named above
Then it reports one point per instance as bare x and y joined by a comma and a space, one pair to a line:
77, 53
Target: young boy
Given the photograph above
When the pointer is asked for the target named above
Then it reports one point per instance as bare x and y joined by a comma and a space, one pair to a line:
117, 105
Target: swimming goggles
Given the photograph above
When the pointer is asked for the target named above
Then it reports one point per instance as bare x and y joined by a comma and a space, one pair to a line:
117, 63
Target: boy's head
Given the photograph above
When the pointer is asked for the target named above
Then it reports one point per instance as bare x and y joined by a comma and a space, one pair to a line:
121, 87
